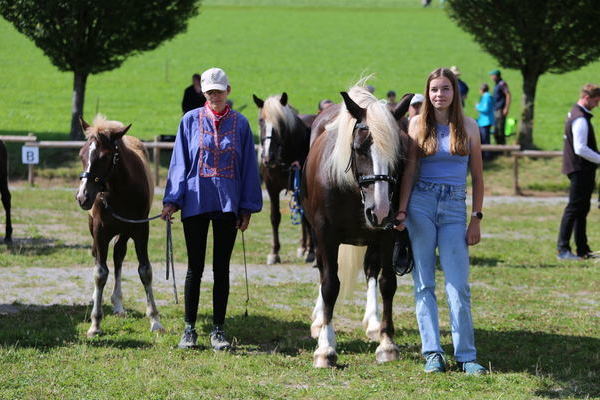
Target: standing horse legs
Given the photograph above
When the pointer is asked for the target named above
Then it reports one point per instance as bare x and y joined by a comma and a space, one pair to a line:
119, 252
387, 349
307, 247
145, 273
325, 354
100, 277
274, 258
372, 320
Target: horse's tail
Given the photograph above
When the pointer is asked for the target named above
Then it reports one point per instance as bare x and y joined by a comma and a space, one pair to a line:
350, 262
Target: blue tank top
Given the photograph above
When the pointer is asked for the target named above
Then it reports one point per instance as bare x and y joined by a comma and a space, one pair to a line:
444, 167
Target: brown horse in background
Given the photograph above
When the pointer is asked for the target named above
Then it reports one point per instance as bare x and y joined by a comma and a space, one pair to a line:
4, 191
284, 140
349, 193
116, 179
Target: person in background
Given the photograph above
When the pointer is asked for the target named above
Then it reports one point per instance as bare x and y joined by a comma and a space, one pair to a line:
192, 95
580, 160
485, 121
445, 145
323, 104
213, 179
391, 100
462, 86
413, 109
502, 100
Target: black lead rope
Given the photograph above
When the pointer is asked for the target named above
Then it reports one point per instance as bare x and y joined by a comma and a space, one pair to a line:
246, 272
169, 247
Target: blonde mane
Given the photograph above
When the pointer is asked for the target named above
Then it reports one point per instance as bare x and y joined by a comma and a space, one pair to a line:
383, 128
278, 115
103, 126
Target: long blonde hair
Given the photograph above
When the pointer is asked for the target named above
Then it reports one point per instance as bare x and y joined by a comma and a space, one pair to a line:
426, 126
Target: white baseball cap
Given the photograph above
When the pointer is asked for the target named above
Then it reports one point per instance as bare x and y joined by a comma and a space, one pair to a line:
417, 98
214, 79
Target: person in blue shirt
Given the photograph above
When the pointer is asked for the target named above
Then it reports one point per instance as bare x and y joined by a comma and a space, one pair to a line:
213, 179
502, 100
485, 121
445, 145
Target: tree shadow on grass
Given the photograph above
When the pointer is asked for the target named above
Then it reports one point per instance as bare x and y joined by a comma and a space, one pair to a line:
46, 327
40, 246
571, 361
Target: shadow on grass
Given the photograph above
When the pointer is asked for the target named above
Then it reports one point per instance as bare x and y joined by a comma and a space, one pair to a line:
46, 327
572, 361
478, 261
40, 246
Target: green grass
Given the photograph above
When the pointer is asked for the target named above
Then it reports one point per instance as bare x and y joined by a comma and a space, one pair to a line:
310, 49
535, 318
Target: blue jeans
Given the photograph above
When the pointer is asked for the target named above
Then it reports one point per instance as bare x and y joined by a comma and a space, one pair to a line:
437, 218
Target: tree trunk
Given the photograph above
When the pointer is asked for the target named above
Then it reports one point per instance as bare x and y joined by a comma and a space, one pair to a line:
79, 81
525, 137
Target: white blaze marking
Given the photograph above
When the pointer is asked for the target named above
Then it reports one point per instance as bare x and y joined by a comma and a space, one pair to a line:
380, 191
91, 151
268, 133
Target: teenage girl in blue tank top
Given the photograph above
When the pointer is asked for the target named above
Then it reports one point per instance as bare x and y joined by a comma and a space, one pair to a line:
445, 144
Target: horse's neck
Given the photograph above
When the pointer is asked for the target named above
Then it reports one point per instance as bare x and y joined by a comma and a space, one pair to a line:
129, 177
294, 141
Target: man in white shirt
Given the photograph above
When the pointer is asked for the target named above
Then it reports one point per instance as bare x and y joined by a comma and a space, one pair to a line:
580, 160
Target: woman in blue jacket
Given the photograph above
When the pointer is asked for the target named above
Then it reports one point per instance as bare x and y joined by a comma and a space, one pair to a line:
213, 178
485, 121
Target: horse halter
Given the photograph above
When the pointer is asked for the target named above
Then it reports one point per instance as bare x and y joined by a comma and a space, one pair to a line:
365, 180
275, 140
101, 180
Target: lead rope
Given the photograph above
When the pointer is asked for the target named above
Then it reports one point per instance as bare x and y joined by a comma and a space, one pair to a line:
169, 259
246, 272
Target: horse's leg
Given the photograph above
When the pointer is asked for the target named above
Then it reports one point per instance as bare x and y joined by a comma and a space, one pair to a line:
317, 314
303, 240
307, 241
325, 355
274, 190
101, 241
387, 349
6, 202
145, 272
372, 320
119, 251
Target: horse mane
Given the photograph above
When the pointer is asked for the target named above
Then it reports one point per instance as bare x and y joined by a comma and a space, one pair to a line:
383, 128
278, 115
131, 144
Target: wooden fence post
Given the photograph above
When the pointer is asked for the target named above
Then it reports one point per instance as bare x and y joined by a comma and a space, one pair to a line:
30, 167
516, 188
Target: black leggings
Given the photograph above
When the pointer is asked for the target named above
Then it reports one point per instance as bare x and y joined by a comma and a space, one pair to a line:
224, 232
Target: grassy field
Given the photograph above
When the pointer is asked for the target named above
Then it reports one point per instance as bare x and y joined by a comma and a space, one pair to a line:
311, 49
536, 320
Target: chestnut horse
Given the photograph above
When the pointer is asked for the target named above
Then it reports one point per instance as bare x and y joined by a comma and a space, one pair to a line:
284, 140
116, 181
349, 196
4, 191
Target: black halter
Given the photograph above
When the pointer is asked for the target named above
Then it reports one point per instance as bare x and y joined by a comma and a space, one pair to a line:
101, 180
365, 180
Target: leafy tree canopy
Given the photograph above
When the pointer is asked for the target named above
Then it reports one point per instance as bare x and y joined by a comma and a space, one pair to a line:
92, 36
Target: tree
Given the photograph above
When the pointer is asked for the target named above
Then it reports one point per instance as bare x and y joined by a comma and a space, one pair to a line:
533, 36
92, 36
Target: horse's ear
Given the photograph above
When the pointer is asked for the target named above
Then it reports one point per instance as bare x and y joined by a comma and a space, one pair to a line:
116, 135
84, 125
354, 109
403, 105
283, 100
259, 103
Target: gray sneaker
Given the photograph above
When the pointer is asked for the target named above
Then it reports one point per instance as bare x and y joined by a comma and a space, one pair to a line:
567, 255
218, 340
188, 339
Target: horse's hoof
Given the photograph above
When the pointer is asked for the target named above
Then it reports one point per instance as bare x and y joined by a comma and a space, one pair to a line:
387, 352
372, 331
325, 358
93, 332
310, 257
156, 326
300, 252
315, 329
273, 259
